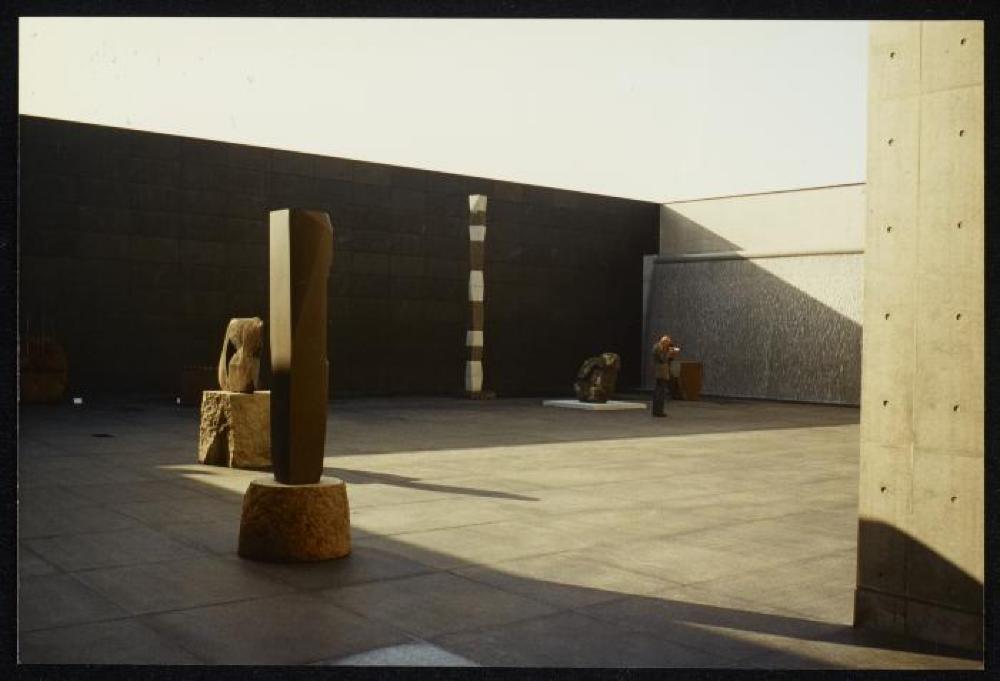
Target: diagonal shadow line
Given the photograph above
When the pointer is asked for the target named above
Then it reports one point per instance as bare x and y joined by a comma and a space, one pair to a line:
367, 477
687, 619
686, 613
804, 349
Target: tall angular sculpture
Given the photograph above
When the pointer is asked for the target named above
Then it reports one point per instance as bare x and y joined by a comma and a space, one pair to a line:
474, 336
299, 515
301, 252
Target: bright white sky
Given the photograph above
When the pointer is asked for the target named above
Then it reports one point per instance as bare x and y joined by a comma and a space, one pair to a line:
653, 110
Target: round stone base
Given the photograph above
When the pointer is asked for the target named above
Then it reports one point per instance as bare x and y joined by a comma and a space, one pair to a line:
295, 523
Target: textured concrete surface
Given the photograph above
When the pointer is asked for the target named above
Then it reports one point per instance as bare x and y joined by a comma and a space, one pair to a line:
779, 328
485, 533
921, 539
798, 317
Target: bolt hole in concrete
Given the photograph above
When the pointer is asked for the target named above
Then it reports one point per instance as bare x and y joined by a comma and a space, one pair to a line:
955, 408
882, 489
101, 435
961, 133
962, 41
885, 403
958, 316
954, 499
888, 228
891, 140
886, 315
892, 55
959, 225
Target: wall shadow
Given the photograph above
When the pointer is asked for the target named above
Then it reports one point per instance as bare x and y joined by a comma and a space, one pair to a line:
590, 627
898, 573
474, 424
757, 334
739, 636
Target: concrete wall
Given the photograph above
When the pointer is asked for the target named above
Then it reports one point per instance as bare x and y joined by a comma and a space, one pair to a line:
920, 540
136, 248
765, 290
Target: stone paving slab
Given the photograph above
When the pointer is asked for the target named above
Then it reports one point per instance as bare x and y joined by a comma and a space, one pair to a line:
610, 405
485, 533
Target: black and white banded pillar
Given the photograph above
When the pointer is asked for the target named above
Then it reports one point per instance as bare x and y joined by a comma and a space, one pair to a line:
474, 336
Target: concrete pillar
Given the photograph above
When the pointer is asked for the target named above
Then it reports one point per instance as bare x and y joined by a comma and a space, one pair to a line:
920, 536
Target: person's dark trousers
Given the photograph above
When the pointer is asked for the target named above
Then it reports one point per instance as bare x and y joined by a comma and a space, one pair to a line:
660, 396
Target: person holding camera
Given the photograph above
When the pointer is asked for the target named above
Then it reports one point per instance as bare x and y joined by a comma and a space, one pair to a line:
663, 354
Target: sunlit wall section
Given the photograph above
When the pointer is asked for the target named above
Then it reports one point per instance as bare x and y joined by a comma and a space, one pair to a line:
920, 540
765, 291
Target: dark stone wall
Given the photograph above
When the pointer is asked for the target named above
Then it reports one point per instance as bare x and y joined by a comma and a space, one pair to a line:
136, 248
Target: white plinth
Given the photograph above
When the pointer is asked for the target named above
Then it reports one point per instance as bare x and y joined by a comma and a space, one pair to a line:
610, 405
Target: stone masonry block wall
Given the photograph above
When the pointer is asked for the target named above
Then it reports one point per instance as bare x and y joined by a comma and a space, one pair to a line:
136, 248
920, 540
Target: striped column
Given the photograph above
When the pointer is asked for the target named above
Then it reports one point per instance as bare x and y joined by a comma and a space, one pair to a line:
474, 336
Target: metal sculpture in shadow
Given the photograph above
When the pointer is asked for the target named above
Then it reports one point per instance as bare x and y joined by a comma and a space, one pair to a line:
301, 252
597, 377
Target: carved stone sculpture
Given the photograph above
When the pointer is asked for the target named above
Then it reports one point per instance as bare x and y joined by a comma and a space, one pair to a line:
301, 251
299, 515
596, 379
239, 364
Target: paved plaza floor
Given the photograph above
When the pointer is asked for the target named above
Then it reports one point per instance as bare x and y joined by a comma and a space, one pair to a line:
497, 533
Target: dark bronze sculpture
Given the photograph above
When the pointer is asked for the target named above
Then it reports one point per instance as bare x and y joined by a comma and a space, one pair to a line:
301, 251
239, 363
596, 379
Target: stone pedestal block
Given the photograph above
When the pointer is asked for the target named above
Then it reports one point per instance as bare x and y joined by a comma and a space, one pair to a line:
295, 523
235, 429
686, 380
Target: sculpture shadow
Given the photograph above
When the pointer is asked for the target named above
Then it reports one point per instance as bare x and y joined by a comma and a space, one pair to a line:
356, 477
608, 616
603, 627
